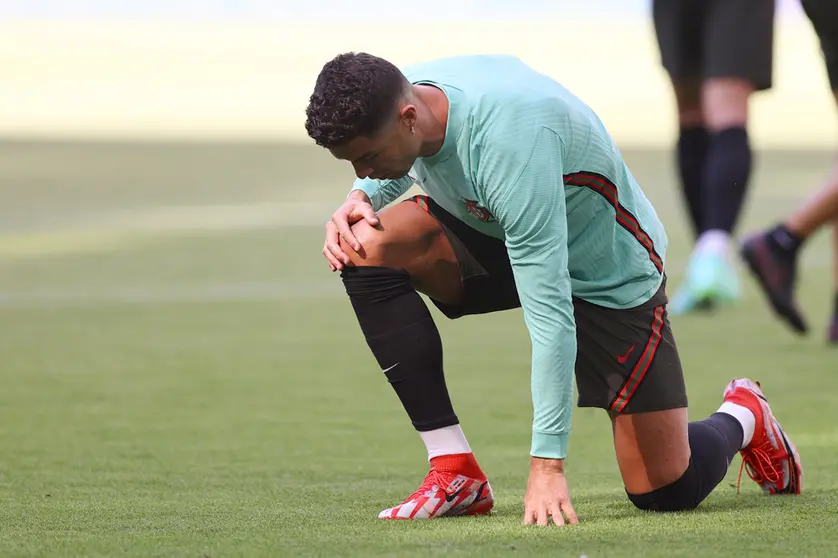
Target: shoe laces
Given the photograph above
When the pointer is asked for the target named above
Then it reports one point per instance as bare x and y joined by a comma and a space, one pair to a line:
434, 478
759, 462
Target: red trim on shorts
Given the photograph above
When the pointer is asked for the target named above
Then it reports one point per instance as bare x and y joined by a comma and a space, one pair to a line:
421, 201
630, 386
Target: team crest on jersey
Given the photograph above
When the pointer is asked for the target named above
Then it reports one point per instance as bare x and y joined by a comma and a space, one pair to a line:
480, 213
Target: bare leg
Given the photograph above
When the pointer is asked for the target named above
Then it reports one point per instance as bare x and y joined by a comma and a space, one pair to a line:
725, 103
653, 449
820, 209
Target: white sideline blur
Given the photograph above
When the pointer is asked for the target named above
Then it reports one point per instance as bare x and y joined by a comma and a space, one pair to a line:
118, 230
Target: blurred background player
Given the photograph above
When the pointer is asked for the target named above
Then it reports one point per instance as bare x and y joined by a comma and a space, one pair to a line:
717, 53
772, 255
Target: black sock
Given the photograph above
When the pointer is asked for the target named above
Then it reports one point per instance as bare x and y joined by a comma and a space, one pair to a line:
402, 336
725, 181
835, 308
714, 442
784, 242
692, 154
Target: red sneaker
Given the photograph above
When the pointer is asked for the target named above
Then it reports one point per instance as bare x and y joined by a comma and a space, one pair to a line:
447, 492
771, 459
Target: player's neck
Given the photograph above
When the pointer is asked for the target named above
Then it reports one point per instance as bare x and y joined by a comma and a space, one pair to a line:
433, 120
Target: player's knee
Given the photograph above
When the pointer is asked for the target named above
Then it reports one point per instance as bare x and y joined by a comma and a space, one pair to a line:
373, 241
405, 237
725, 102
656, 502
682, 495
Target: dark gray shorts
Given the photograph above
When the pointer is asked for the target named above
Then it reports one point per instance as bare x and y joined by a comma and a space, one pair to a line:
626, 360
824, 17
701, 39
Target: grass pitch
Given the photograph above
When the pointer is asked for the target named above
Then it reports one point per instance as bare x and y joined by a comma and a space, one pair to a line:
182, 376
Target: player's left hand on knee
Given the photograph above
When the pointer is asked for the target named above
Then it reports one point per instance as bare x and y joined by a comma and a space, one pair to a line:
548, 494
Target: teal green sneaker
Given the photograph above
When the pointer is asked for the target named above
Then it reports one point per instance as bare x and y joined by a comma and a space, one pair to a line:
711, 281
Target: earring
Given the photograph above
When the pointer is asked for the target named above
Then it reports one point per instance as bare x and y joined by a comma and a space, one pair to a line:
413, 130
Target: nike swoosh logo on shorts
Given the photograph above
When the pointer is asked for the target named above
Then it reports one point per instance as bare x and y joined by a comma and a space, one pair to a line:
622, 359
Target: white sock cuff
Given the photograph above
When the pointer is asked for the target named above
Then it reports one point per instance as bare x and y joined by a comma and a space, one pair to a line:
745, 417
448, 440
714, 241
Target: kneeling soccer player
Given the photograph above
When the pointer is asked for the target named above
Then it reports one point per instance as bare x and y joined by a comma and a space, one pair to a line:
531, 205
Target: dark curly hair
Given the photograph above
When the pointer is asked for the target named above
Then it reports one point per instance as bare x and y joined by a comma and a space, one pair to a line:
354, 96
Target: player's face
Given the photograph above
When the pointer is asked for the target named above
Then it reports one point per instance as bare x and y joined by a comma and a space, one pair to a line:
389, 154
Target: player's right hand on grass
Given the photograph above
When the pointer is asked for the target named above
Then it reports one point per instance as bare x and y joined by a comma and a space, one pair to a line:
356, 207
548, 494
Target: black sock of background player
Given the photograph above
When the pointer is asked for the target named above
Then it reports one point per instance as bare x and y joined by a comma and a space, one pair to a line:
714, 442
784, 242
402, 336
726, 174
692, 154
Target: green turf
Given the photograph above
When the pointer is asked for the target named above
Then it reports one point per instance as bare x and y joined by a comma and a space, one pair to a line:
206, 392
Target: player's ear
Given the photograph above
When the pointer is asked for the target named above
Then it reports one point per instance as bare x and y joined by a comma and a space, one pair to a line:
408, 116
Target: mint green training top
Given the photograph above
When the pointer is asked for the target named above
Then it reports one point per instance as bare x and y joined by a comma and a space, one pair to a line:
526, 161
